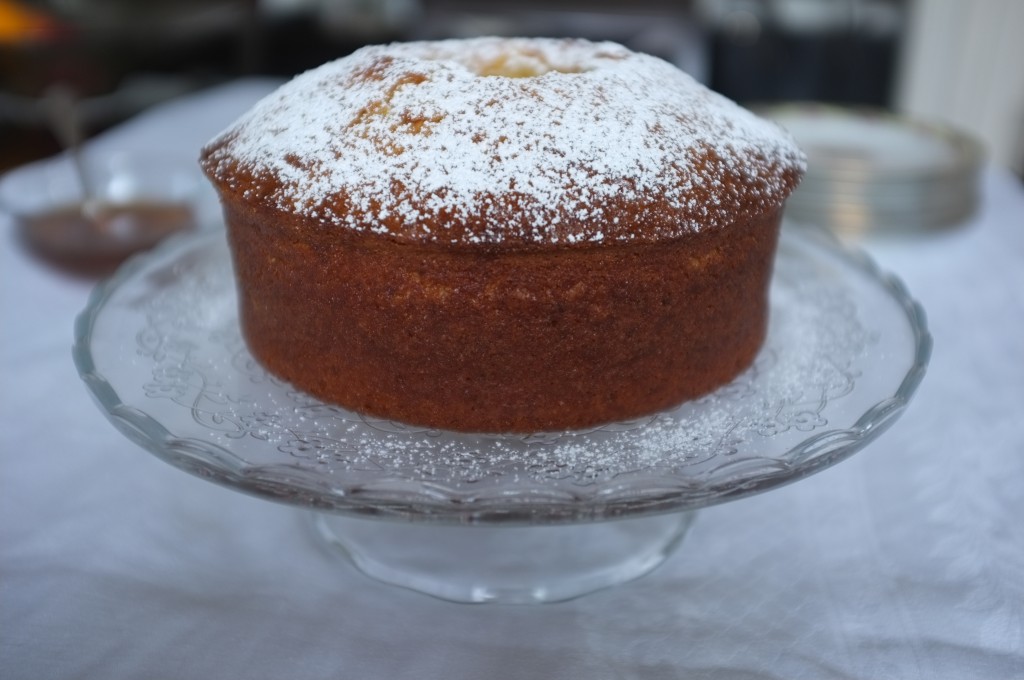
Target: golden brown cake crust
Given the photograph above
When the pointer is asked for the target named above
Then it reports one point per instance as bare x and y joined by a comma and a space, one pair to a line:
495, 342
420, 239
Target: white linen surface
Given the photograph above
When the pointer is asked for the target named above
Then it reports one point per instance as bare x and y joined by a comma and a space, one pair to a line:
905, 561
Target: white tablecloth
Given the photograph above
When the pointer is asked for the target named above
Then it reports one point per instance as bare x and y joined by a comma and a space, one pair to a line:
906, 561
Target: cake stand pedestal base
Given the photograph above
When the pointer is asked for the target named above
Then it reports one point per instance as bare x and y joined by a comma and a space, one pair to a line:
505, 564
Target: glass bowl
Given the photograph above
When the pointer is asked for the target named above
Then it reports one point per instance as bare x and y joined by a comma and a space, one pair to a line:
88, 217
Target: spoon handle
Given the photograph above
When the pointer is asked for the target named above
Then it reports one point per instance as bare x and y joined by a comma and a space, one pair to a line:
62, 109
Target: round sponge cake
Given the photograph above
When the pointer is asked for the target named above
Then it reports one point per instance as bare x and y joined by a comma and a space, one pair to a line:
502, 234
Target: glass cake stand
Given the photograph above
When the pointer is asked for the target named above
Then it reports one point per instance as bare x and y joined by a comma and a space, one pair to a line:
493, 517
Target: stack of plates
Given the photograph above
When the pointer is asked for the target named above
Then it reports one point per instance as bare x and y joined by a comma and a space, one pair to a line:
870, 170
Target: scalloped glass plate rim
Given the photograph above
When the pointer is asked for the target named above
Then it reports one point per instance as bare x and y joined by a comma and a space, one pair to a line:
532, 502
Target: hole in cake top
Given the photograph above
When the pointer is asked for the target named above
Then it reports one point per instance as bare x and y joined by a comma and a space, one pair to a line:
520, 64
518, 58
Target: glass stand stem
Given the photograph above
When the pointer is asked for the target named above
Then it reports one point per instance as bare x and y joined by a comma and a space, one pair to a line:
505, 564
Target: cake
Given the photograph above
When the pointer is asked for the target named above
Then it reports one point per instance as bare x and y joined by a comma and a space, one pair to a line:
502, 235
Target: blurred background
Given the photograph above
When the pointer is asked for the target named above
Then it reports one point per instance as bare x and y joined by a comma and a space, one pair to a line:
948, 61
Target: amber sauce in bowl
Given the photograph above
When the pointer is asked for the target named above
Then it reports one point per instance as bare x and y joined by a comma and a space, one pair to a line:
93, 240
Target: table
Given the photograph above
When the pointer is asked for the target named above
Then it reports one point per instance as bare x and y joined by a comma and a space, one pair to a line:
906, 560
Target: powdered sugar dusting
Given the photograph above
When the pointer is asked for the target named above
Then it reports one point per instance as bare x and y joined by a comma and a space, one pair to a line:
492, 140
